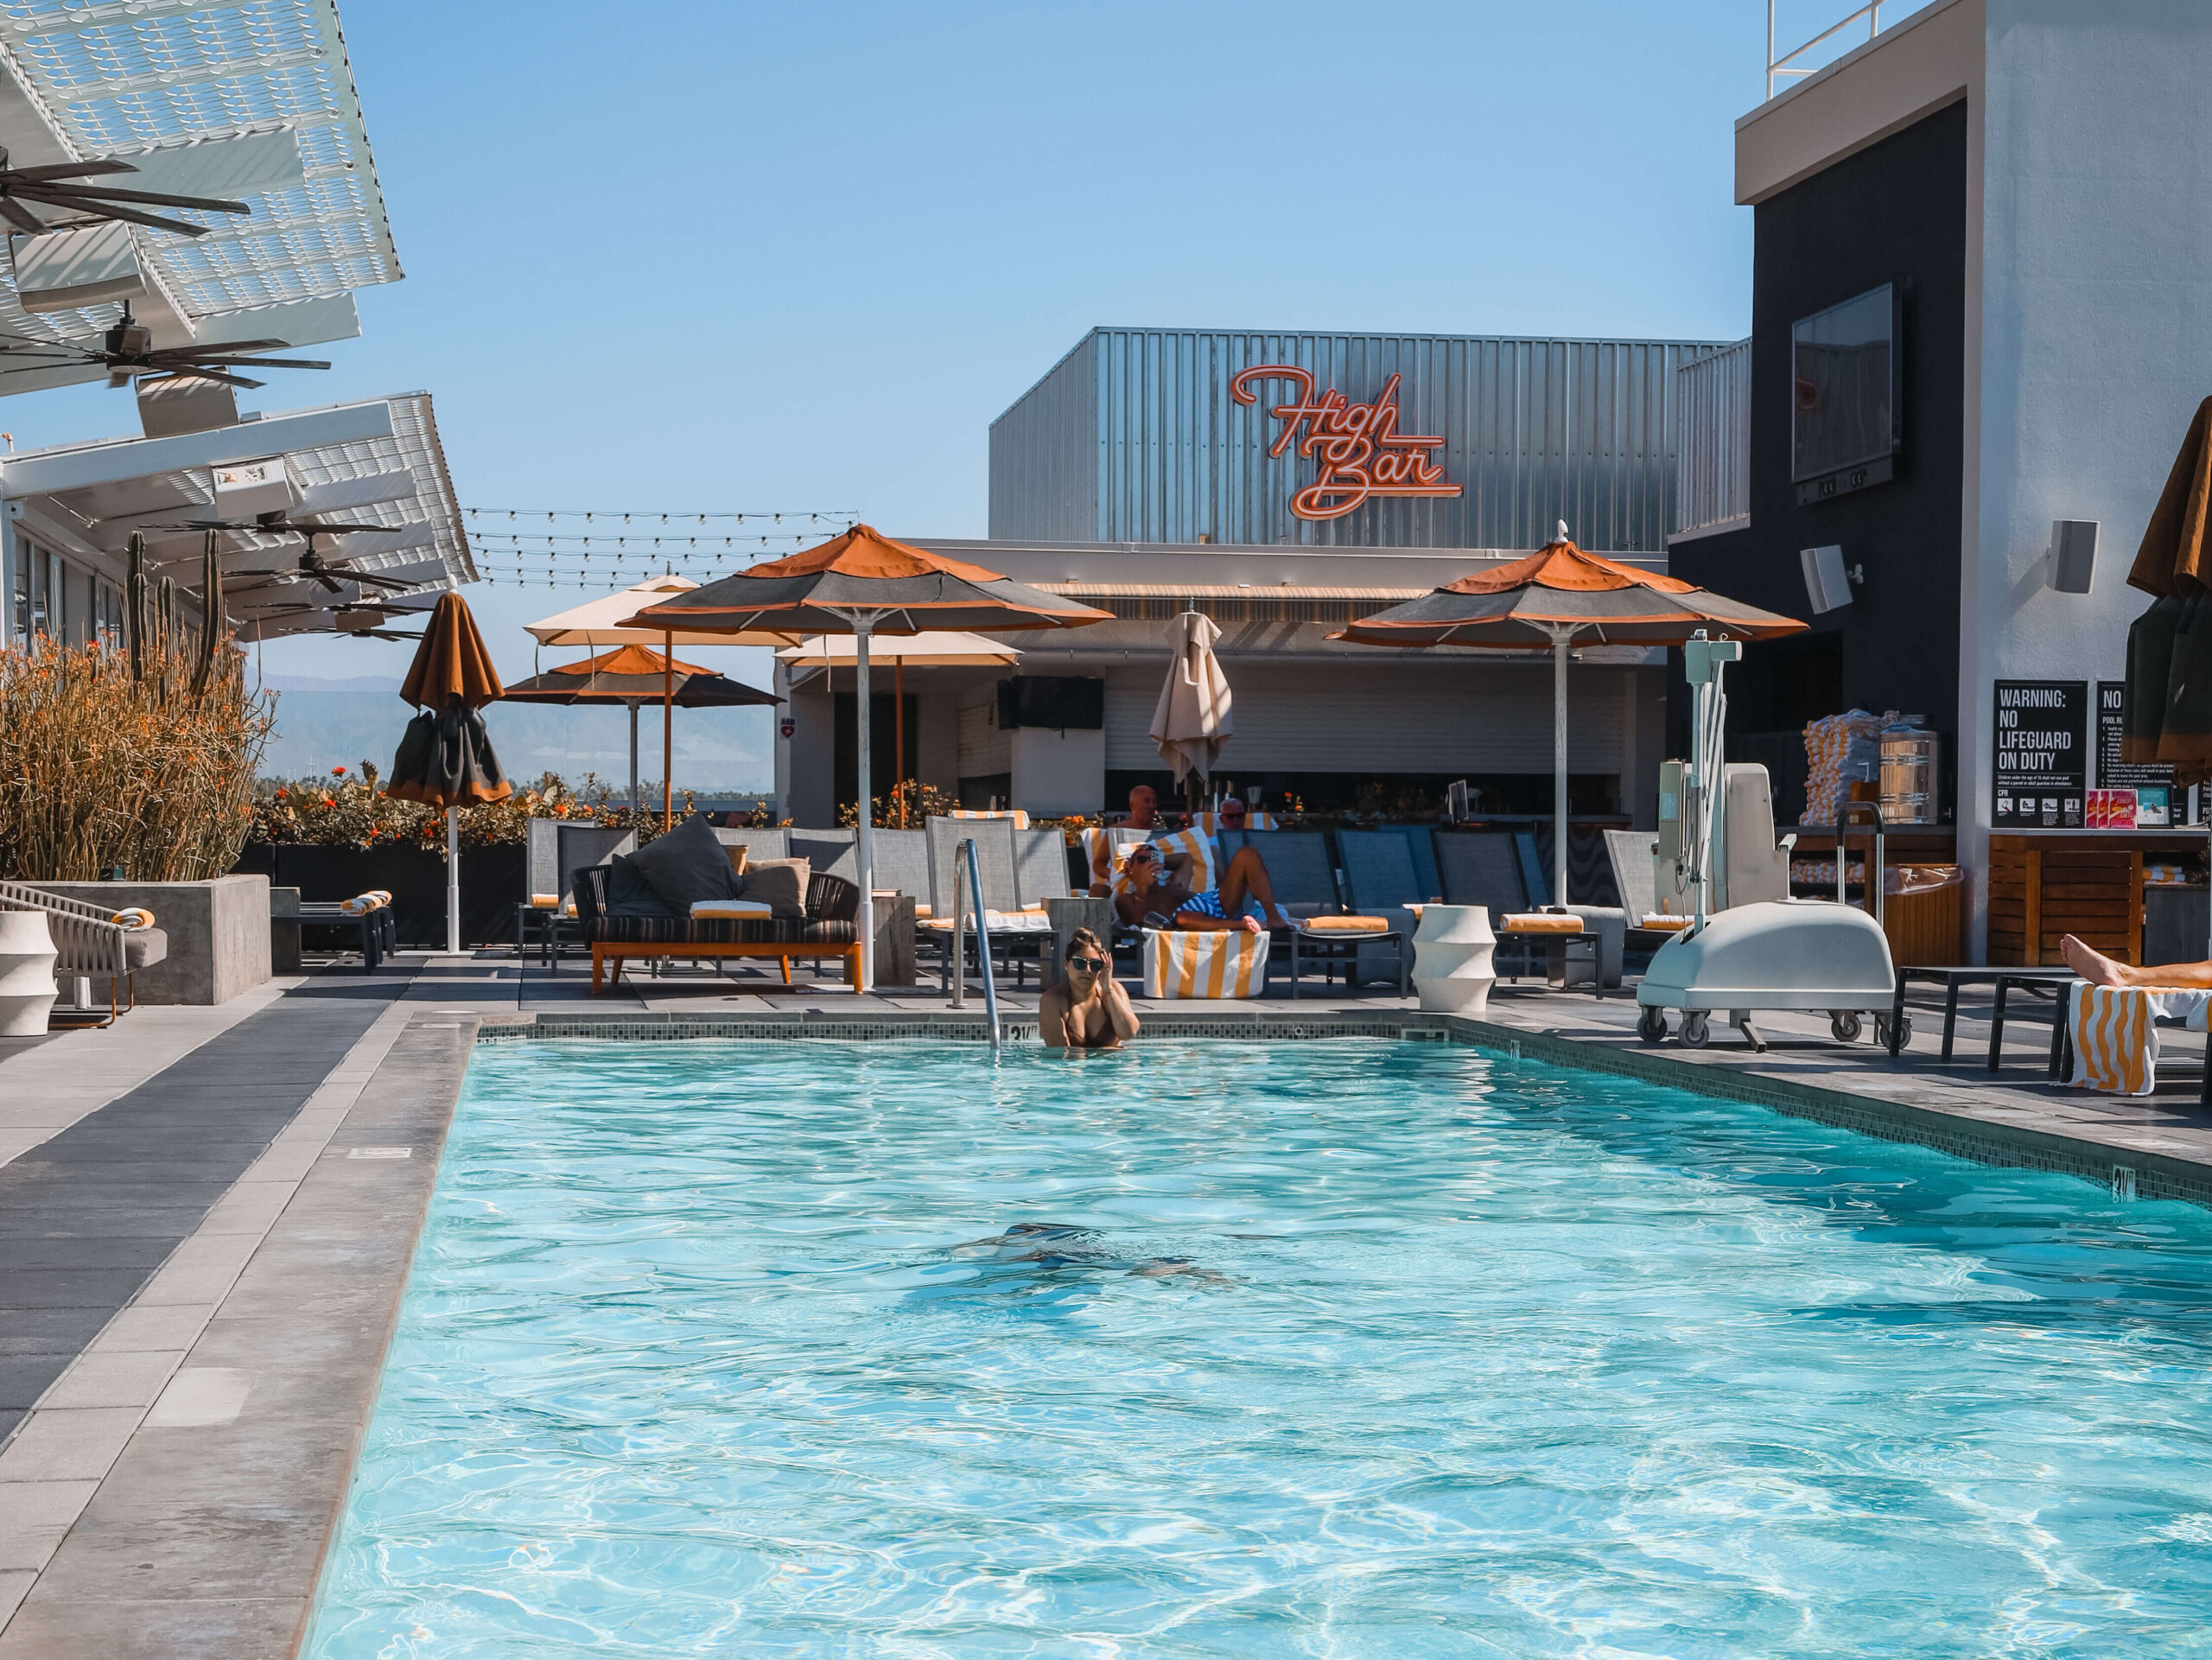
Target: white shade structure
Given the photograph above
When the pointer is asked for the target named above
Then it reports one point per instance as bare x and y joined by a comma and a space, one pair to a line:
597, 622
946, 648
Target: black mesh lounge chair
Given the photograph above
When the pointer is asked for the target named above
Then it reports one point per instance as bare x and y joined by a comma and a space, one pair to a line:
829, 928
1488, 868
996, 866
837, 851
1303, 876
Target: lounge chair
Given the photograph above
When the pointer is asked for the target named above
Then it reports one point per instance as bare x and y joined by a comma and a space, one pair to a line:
1040, 866
830, 928
1497, 869
554, 851
837, 851
759, 843
1382, 876
90, 942
1631, 853
1304, 874
996, 865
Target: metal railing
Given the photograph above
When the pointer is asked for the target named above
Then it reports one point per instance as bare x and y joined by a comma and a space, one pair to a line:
1713, 448
1777, 68
963, 860
1843, 855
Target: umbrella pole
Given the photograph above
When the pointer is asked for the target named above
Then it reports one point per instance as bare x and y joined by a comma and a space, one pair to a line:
633, 763
866, 840
898, 730
667, 730
1560, 637
453, 882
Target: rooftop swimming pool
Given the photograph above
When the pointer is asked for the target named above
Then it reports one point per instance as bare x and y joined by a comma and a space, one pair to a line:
1326, 1348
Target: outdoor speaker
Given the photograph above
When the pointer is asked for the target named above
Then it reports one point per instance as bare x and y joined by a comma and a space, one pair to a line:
1827, 586
2073, 554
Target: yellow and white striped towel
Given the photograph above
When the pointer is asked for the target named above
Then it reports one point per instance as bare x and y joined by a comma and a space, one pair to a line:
1019, 815
1181, 963
1210, 822
1204, 856
2116, 1034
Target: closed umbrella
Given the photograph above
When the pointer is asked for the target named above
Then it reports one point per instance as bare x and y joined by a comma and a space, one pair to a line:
1552, 596
2167, 715
1192, 718
445, 758
629, 676
863, 583
599, 623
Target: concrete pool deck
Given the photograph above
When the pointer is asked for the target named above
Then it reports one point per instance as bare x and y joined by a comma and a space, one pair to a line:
206, 1217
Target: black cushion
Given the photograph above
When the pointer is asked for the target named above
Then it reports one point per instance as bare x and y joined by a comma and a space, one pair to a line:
686, 866
629, 893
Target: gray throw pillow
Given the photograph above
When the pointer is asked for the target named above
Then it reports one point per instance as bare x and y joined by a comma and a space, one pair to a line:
780, 884
686, 866
628, 893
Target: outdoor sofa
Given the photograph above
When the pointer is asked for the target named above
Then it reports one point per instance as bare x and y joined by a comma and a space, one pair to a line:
829, 928
90, 942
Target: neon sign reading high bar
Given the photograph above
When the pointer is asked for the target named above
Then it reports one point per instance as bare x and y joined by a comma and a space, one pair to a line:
1358, 448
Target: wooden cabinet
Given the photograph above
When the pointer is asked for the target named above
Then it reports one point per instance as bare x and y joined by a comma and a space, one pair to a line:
2043, 888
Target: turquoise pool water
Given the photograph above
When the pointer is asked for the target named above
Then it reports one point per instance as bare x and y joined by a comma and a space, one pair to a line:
724, 1349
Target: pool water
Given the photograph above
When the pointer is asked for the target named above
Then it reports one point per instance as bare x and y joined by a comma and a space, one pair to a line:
1332, 1348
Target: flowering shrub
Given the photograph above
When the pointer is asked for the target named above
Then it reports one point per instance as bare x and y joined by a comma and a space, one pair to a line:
911, 803
100, 769
346, 809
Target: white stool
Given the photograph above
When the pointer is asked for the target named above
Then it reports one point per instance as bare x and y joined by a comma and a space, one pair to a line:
1452, 952
27, 988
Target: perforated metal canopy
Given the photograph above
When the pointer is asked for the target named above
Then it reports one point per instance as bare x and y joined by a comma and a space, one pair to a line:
252, 100
377, 464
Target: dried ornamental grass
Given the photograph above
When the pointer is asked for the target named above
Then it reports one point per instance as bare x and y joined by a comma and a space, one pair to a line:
98, 769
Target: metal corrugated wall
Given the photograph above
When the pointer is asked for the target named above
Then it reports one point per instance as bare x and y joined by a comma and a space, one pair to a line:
1534, 430
1045, 454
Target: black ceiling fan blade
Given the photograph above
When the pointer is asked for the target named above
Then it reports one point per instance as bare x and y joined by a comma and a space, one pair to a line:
327, 581
315, 527
193, 372
49, 368
108, 210
264, 363
65, 170
373, 580
214, 349
94, 194
21, 217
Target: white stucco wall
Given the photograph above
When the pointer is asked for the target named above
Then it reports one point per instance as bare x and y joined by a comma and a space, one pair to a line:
2095, 321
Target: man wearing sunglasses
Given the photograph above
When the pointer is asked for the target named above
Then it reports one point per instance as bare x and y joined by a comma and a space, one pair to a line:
1088, 1009
1245, 899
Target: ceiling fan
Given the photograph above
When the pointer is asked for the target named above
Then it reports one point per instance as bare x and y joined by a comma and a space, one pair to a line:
312, 566
50, 187
128, 351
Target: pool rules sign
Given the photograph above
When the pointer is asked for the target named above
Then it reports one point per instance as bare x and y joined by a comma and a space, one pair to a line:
2041, 758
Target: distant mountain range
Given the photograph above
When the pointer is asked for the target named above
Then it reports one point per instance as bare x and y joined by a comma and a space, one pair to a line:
326, 723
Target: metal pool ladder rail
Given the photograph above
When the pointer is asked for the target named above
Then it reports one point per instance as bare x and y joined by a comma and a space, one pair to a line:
963, 863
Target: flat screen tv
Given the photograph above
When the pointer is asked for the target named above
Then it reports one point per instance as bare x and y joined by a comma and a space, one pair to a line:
1844, 420
1066, 702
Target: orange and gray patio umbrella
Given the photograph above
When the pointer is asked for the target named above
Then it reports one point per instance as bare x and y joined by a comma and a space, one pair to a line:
445, 757
1555, 596
2167, 716
630, 676
863, 583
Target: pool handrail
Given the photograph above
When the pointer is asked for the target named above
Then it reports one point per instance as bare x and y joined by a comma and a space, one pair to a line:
963, 858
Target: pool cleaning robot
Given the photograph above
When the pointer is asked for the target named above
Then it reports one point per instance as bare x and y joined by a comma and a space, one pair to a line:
1743, 954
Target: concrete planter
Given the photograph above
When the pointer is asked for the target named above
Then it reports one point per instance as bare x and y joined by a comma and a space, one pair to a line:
1453, 951
27, 988
218, 933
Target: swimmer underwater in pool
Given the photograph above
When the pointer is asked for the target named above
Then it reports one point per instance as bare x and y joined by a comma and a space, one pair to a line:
1087, 1010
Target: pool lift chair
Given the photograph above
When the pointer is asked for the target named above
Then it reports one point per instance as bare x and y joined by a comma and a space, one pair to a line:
1743, 951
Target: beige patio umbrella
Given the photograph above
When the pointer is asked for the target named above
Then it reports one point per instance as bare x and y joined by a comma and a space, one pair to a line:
597, 624
942, 648
1192, 718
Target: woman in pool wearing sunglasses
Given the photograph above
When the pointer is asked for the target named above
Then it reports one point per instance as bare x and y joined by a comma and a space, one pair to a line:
1088, 1009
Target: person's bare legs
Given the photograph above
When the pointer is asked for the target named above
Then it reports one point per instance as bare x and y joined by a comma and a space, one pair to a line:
1247, 877
2101, 971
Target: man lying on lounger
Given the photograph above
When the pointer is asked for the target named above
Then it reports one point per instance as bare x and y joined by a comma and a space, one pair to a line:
1088, 1009
1245, 899
2101, 971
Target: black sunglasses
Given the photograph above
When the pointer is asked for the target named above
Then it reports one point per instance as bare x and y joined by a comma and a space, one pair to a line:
1089, 965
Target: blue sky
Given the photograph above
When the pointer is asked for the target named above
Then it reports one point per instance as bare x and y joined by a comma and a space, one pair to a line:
752, 256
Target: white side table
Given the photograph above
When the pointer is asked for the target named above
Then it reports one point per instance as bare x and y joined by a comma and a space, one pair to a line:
1453, 952
27, 988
